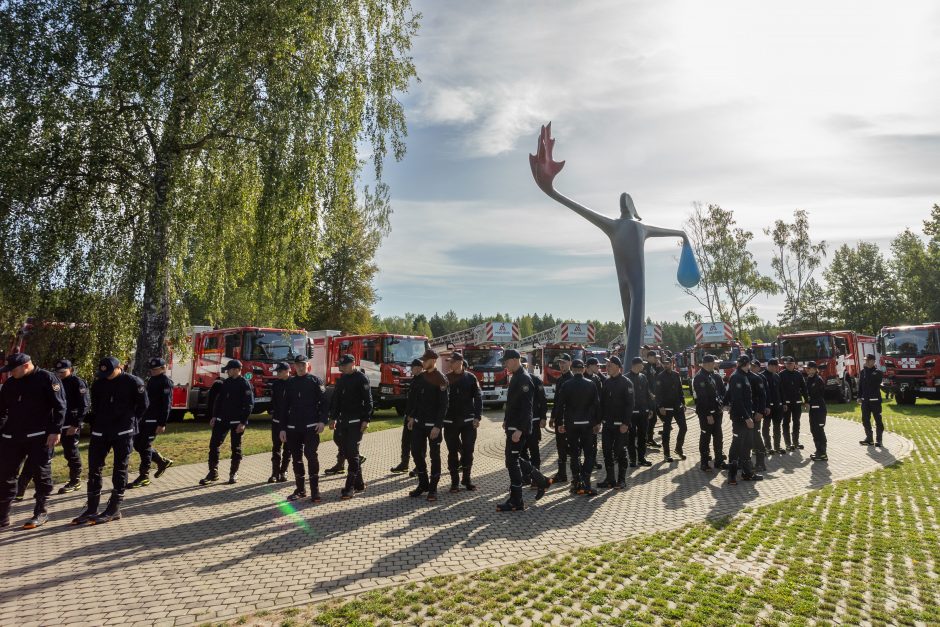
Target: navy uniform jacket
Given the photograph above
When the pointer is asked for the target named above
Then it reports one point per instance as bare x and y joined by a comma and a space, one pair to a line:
739, 396
772, 385
279, 402
32, 406
411, 405
869, 385
465, 400
77, 401
213, 396
642, 399
617, 401
539, 402
235, 401
159, 399
578, 402
708, 398
758, 392
669, 393
793, 386
817, 391
117, 405
306, 403
352, 399
519, 397
563, 379
431, 399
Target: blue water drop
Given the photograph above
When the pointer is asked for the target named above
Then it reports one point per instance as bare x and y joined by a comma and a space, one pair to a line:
688, 273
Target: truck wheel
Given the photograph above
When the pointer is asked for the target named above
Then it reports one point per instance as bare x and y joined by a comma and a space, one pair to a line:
845, 392
907, 397
177, 415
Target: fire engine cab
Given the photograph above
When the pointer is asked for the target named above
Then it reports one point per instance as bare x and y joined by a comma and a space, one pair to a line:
385, 359
482, 347
195, 367
545, 347
911, 361
839, 355
715, 338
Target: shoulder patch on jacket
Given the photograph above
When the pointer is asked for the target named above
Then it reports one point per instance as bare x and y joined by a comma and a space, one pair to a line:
141, 389
56, 387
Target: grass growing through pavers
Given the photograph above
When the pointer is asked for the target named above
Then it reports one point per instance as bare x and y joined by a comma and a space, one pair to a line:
187, 442
863, 551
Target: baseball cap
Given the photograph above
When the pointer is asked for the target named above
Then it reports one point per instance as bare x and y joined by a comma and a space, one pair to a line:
106, 366
592, 361
577, 363
281, 366
416, 363
811, 364
63, 364
233, 363
564, 357
708, 359
15, 361
510, 354
456, 356
429, 354
869, 356
345, 360
615, 361
156, 362
743, 360
773, 362
636, 360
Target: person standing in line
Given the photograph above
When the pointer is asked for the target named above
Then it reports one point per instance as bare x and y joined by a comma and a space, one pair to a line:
869, 396
561, 438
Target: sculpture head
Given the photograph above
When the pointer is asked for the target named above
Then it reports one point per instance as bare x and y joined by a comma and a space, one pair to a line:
627, 209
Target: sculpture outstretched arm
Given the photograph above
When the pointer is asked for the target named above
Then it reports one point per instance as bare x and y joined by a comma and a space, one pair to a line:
544, 170
656, 231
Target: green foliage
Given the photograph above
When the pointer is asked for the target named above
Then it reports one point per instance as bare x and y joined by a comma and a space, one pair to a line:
796, 259
861, 292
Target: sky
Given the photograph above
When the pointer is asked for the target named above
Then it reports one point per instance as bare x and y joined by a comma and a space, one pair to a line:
761, 107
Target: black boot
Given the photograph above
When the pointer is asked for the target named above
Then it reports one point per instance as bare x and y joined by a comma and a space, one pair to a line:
466, 480
315, 490
608, 481
233, 472
621, 477
704, 466
73, 484
282, 471
90, 511
402, 467
432, 489
423, 485
212, 477
300, 492
4, 515
339, 468
454, 482
274, 472
542, 483
162, 464
761, 462
22, 482
514, 503
40, 517
139, 482
111, 512
679, 453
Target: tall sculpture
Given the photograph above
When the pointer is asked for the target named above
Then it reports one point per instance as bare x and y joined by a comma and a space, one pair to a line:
627, 235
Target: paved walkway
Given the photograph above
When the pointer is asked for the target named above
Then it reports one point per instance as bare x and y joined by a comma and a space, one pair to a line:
187, 554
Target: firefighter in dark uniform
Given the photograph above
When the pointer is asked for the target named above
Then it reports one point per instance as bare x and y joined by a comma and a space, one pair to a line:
761, 412
617, 413
816, 388
642, 402
869, 396
592, 371
304, 420
350, 412
464, 411
517, 423
561, 438
280, 453
213, 395
160, 401
426, 425
651, 369
118, 403
532, 452
32, 412
578, 406
708, 390
416, 370
793, 394
740, 398
774, 403
230, 414
670, 404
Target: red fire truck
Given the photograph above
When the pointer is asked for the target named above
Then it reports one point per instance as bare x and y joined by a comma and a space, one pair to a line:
544, 348
839, 355
911, 361
195, 367
763, 351
383, 357
482, 347
715, 338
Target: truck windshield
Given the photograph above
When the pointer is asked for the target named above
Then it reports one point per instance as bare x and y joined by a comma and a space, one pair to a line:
483, 357
403, 350
763, 353
911, 342
552, 355
721, 353
271, 346
807, 348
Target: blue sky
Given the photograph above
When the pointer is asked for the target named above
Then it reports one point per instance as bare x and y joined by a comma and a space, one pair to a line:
763, 108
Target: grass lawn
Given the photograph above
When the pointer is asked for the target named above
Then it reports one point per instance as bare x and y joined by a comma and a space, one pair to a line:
863, 551
187, 442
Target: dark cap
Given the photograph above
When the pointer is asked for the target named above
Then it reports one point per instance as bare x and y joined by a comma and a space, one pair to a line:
773, 362
15, 361
456, 356
564, 357
636, 360
789, 360
666, 359
233, 363
524, 360
300, 359
281, 366
652, 354
811, 364
708, 359
429, 354
345, 360
592, 361
106, 366
416, 363
744, 360
63, 364
156, 362
510, 354
869, 356
756, 362
615, 361
577, 363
